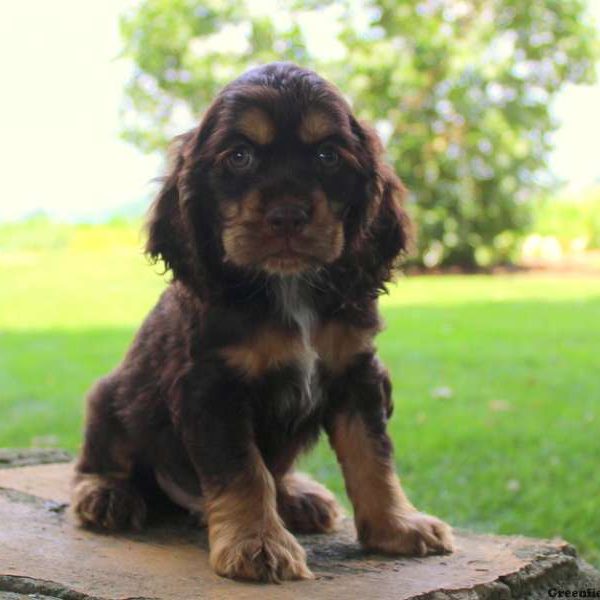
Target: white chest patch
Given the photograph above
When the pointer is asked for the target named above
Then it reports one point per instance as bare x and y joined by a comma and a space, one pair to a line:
295, 308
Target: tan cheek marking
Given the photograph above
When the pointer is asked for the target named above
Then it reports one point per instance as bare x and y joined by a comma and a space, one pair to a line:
338, 343
257, 125
245, 210
268, 349
315, 126
371, 481
327, 229
238, 241
323, 215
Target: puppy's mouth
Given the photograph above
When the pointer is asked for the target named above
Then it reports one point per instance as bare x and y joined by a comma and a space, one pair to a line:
287, 260
250, 244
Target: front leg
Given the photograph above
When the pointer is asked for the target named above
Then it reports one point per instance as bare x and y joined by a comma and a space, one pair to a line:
247, 537
385, 519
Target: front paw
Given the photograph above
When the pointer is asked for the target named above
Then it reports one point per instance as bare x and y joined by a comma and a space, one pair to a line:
408, 534
271, 556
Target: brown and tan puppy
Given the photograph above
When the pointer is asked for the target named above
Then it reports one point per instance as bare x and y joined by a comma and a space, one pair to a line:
281, 225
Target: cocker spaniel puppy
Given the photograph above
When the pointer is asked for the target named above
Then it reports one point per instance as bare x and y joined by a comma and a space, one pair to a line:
281, 224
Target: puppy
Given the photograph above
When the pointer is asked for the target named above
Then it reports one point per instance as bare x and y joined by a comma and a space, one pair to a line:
281, 224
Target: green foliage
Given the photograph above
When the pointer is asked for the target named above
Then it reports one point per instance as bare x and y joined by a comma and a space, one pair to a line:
461, 91
571, 220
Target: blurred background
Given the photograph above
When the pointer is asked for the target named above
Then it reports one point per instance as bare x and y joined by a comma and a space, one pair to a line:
490, 113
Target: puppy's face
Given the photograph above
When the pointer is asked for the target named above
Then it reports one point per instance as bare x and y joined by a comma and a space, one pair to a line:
285, 171
278, 178
283, 187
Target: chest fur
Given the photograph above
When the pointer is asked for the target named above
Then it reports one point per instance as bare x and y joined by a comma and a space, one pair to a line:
299, 342
334, 344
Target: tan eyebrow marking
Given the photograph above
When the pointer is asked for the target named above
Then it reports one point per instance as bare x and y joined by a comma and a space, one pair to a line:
257, 126
315, 126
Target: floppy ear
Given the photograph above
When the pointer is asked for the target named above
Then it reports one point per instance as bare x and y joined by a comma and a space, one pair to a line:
386, 230
391, 230
167, 227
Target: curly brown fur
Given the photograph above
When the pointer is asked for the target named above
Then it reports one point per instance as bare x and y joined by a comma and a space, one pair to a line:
281, 225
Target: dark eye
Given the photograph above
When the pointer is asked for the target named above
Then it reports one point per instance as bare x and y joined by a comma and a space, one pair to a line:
328, 156
241, 157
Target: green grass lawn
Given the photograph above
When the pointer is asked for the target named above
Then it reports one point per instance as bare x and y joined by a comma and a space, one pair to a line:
497, 379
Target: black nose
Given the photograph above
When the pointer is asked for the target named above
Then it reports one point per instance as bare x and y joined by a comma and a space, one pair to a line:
287, 219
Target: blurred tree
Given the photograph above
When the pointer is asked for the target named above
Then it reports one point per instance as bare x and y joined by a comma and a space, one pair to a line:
459, 89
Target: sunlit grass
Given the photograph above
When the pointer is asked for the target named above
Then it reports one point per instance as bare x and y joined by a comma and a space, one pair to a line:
75, 277
496, 380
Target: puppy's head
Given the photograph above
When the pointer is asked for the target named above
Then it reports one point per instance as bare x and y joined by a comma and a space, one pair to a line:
279, 178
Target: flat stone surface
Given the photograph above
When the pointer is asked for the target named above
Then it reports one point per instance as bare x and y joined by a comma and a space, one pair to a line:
44, 555
51, 482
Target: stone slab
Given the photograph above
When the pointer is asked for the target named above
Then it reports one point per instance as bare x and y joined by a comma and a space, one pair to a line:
32, 456
51, 482
43, 553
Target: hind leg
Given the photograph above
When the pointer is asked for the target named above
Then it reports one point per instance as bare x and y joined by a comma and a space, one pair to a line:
103, 495
305, 505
